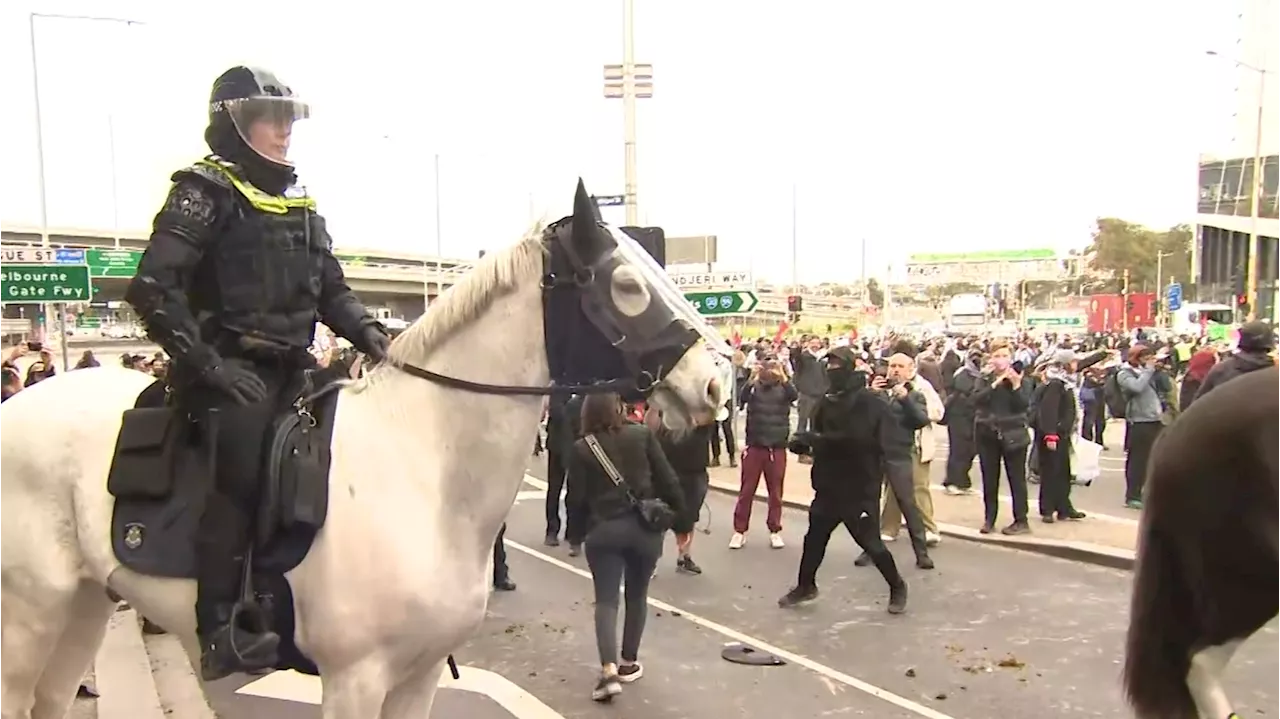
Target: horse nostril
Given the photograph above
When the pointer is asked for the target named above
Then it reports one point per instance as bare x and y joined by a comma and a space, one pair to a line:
713, 392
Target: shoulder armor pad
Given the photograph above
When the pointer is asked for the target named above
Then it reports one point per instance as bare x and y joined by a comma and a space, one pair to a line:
203, 172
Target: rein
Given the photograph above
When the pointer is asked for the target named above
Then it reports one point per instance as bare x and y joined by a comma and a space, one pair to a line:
613, 385
580, 277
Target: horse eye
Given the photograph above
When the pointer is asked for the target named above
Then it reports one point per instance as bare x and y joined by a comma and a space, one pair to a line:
629, 292
629, 285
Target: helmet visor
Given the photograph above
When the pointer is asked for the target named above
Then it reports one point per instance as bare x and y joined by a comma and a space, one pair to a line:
265, 123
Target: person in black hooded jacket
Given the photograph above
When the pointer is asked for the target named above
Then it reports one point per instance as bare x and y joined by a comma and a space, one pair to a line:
1253, 352
848, 469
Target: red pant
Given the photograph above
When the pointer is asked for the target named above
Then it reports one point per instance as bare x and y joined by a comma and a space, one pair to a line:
772, 463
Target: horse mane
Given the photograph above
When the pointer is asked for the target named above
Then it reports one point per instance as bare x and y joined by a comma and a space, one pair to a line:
495, 275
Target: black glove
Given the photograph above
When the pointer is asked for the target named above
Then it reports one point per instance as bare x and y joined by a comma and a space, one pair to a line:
238, 383
374, 342
801, 443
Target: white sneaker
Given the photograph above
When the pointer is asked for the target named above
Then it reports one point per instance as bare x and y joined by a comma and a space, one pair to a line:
775, 541
889, 537
951, 489
932, 539
737, 540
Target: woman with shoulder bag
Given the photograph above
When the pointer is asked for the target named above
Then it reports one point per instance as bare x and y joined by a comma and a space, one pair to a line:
1002, 436
621, 482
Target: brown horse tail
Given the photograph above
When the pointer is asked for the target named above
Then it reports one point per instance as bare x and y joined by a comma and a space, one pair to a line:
1163, 628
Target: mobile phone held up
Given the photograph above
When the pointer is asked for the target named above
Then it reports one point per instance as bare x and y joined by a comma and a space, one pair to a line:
35, 346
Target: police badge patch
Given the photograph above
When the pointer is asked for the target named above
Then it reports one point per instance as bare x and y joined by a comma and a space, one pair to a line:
133, 535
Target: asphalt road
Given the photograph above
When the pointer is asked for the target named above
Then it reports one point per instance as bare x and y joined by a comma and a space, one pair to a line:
990, 633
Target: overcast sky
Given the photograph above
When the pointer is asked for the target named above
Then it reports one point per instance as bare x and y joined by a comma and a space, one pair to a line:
923, 126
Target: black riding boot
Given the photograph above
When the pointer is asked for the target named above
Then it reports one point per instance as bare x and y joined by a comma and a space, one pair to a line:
227, 644
230, 648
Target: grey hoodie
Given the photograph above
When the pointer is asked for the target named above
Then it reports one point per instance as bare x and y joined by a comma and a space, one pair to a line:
1143, 402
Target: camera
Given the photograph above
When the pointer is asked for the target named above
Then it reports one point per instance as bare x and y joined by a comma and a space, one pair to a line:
35, 346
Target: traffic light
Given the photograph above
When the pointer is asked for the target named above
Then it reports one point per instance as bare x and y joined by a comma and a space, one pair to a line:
1128, 303
795, 303
652, 239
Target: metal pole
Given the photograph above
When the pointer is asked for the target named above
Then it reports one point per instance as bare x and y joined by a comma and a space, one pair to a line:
795, 252
45, 308
1159, 273
62, 316
426, 280
1255, 248
115, 180
629, 111
865, 298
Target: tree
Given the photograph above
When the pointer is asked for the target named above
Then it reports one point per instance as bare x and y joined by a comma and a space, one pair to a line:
1119, 245
875, 295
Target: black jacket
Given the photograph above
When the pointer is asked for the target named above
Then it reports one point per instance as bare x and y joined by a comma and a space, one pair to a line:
636, 453
687, 451
959, 404
769, 413
1232, 367
847, 452
1001, 410
1055, 412
905, 417
196, 307
809, 375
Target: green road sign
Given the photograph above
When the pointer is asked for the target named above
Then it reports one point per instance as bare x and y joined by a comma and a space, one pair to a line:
44, 283
729, 302
112, 263
1064, 321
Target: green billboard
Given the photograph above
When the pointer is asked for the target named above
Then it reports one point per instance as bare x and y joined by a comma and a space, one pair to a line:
983, 256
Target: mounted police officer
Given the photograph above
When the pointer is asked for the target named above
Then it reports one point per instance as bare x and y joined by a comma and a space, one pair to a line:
238, 271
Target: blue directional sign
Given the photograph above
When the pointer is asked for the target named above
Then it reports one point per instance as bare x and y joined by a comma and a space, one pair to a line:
65, 256
610, 200
1174, 297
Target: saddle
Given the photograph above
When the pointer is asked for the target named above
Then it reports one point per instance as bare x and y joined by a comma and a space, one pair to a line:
163, 468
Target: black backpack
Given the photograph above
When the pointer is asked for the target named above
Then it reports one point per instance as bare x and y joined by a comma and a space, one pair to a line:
1115, 397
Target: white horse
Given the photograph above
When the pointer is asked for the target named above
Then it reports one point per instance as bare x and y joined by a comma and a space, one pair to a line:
422, 477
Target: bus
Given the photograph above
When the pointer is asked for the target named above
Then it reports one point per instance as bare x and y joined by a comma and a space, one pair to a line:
1197, 318
967, 313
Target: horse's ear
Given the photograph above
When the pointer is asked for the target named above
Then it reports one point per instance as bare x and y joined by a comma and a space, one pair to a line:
586, 232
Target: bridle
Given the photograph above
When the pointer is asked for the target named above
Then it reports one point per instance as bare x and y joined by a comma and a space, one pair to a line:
565, 271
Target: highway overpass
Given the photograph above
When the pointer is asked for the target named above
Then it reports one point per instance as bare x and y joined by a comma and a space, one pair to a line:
387, 278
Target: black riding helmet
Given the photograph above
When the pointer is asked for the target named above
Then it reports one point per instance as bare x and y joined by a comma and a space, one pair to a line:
241, 98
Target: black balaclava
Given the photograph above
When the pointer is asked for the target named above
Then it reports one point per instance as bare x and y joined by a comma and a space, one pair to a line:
841, 374
223, 139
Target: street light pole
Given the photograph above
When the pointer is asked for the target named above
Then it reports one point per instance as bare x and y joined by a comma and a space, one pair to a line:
629, 82
1160, 299
629, 109
47, 308
1255, 198
795, 246
1255, 189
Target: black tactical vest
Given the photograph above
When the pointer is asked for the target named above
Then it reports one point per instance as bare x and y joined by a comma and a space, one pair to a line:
264, 268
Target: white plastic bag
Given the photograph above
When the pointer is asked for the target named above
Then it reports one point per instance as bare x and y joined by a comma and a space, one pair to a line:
1085, 464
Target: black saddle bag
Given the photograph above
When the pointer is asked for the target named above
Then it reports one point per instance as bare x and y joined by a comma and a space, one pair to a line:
143, 466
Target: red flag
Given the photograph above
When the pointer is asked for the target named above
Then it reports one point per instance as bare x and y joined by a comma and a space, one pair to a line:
736, 340
782, 331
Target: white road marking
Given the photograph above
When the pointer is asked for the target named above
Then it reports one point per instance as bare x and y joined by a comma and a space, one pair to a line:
535, 494
291, 686
737, 636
